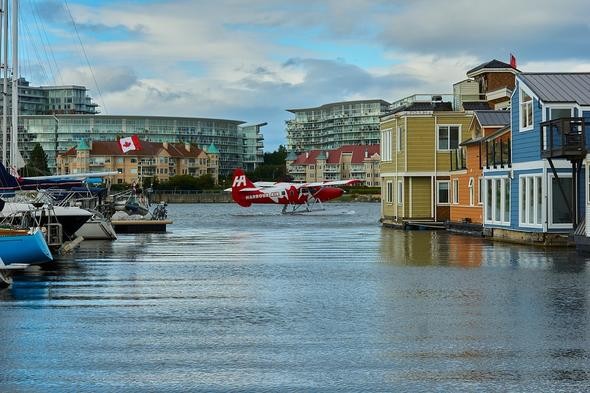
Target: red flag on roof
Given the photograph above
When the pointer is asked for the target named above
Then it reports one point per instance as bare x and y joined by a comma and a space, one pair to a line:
512, 61
129, 143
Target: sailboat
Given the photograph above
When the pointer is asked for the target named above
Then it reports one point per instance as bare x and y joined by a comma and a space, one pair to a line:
18, 246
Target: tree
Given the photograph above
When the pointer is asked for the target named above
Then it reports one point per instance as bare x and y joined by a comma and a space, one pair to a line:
37, 164
273, 168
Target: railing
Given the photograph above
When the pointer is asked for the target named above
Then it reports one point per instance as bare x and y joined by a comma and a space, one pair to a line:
496, 153
563, 137
458, 159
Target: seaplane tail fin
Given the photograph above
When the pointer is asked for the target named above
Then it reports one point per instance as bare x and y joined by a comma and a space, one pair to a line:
6, 179
240, 181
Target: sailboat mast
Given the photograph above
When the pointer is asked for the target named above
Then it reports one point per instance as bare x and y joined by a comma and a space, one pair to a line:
4, 64
14, 128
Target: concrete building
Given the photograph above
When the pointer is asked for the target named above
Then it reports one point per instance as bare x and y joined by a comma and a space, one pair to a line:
253, 146
57, 133
154, 160
334, 125
346, 162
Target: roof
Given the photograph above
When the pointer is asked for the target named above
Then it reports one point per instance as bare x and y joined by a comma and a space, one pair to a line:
211, 149
469, 141
423, 107
334, 156
559, 87
491, 118
325, 106
475, 106
112, 148
492, 64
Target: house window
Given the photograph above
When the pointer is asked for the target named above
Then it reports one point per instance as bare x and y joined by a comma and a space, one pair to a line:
442, 192
400, 192
558, 113
471, 191
448, 137
399, 143
560, 213
526, 111
455, 191
480, 190
386, 145
531, 200
389, 192
497, 201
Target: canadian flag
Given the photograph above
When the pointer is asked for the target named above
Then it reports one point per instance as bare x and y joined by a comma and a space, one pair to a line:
129, 143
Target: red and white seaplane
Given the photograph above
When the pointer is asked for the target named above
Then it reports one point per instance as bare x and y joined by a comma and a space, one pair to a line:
293, 196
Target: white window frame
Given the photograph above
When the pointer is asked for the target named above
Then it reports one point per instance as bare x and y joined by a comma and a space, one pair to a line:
501, 182
399, 142
471, 186
530, 181
400, 192
386, 147
522, 110
448, 129
480, 194
549, 193
389, 192
455, 193
438, 202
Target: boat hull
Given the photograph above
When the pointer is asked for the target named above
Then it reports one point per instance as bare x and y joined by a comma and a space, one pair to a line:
97, 229
29, 249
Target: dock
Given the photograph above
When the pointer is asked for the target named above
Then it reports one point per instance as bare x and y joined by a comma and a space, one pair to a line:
140, 226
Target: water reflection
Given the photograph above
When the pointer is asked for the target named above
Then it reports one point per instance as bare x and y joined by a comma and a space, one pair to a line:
264, 302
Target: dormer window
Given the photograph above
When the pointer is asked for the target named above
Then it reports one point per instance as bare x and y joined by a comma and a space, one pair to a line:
526, 111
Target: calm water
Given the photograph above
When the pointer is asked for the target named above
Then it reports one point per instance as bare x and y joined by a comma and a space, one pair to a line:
235, 299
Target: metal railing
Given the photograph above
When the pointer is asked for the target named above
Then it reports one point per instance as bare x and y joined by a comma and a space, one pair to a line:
563, 137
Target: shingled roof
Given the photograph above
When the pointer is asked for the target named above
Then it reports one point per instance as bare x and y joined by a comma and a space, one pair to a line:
493, 118
112, 148
357, 151
559, 87
492, 64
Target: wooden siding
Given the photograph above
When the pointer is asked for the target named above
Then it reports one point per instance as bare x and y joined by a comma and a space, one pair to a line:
526, 145
443, 161
463, 210
421, 197
421, 144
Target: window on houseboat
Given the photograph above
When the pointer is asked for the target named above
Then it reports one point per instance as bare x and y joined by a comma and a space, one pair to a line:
471, 191
489, 205
559, 205
558, 113
389, 192
498, 200
399, 138
480, 190
506, 200
400, 192
455, 191
443, 192
531, 200
526, 110
448, 137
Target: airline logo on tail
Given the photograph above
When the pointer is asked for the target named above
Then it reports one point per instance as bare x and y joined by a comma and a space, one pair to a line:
239, 181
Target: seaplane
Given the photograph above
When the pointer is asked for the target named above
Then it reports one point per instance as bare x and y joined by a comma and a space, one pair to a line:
294, 197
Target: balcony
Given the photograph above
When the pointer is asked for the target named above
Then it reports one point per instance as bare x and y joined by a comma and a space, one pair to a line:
564, 138
496, 153
458, 162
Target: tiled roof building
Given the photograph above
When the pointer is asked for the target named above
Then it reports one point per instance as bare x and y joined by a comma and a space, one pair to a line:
154, 160
346, 162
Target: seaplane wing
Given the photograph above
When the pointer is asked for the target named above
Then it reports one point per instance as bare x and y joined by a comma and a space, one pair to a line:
332, 183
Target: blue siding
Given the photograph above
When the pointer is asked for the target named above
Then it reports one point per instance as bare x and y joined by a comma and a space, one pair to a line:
586, 116
526, 146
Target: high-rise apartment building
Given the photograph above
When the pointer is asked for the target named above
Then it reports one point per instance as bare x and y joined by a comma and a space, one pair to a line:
334, 125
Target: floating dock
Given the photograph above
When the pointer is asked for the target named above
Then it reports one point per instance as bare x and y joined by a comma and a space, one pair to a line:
140, 226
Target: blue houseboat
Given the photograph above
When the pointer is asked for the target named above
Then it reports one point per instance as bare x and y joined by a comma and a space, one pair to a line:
537, 194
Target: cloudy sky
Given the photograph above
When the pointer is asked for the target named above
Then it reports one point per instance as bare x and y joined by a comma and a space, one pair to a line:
251, 60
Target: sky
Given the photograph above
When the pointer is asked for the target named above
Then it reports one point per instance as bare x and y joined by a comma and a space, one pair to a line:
252, 60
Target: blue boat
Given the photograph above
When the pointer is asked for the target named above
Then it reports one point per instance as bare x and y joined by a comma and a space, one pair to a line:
28, 248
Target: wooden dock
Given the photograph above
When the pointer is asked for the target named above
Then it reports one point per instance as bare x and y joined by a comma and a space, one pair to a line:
140, 226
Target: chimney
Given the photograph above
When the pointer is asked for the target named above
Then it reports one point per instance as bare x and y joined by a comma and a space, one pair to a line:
366, 152
306, 154
327, 155
187, 146
165, 145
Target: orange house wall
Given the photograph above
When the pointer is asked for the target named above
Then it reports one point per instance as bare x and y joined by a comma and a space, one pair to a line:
463, 209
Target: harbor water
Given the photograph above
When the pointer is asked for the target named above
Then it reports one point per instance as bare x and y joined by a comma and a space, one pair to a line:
234, 299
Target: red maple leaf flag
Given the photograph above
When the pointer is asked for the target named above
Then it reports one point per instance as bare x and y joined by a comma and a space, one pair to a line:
129, 143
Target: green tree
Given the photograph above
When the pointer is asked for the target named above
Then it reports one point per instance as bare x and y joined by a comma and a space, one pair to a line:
37, 164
